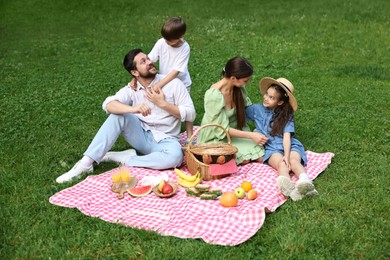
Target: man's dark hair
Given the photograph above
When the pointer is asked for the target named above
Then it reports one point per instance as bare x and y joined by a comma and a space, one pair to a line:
128, 61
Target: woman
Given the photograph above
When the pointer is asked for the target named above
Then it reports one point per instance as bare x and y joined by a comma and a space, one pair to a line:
224, 104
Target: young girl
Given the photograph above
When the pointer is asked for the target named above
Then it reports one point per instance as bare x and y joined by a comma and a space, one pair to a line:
275, 119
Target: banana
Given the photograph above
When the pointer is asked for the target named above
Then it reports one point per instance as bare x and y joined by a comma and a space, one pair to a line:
186, 177
189, 184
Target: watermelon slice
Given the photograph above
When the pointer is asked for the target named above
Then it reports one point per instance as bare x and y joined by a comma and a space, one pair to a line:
140, 191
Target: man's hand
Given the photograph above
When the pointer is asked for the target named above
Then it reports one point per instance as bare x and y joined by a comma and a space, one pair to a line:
142, 109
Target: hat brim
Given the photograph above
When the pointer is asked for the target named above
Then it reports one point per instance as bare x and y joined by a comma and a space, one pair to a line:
266, 82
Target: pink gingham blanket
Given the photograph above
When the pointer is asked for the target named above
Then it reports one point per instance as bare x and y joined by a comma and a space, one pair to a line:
183, 216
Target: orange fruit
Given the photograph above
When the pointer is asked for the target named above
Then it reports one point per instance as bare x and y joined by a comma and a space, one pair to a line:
116, 177
228, 199
246, 185
125, 175
252, 195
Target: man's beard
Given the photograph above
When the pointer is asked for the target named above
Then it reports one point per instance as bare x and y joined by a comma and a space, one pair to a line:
148, 74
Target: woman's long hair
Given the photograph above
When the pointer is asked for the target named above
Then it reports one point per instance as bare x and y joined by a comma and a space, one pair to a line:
283, 113
238, 67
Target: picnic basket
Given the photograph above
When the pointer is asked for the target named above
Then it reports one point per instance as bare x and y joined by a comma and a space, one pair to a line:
193, 154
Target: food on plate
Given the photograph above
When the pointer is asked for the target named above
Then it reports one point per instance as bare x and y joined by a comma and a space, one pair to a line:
228, 199
205, 196
202, 187
215, 192
193, 192
140, 191
161, 185
167, 188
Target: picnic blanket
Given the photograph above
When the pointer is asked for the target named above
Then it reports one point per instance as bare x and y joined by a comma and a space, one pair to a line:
184, 216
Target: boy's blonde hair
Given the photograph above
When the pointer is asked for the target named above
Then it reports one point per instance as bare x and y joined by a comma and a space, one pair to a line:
174, 28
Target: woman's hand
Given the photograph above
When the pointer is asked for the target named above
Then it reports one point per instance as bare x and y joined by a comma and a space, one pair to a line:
259, 138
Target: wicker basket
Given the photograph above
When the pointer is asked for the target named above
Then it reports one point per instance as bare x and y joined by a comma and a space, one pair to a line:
194, 153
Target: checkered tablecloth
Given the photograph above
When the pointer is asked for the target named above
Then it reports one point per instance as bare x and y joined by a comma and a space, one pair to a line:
183, 216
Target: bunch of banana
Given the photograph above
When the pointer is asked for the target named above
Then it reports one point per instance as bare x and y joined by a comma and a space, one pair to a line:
186, 180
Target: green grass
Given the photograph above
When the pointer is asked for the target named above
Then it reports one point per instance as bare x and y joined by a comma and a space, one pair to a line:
60, 59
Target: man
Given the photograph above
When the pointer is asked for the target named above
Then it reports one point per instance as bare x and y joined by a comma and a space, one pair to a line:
149, 120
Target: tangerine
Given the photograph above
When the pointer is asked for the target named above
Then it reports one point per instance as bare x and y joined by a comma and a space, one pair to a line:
246, 185
252, 195
228, 199
116, 177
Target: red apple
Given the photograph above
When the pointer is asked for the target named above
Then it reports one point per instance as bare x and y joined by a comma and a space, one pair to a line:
167, 188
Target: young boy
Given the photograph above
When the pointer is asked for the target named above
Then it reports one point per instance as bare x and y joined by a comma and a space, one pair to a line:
173, 54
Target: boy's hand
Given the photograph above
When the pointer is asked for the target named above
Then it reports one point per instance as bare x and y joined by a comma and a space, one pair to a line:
155, 97
157, 88
133, 84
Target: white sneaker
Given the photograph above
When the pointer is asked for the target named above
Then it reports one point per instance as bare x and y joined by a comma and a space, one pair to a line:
312, 193
305, 186
295, 195
76, 171
119, 157
285, 185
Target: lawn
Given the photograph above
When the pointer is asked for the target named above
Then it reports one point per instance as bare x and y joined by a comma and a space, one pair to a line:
60, 59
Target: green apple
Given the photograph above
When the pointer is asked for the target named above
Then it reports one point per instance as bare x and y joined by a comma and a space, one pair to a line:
240, 193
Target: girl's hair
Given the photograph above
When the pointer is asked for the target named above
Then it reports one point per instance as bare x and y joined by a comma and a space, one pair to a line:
174, 28
238, 67
283, 113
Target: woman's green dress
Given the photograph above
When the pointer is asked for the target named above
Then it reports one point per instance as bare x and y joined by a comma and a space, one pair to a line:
216, 113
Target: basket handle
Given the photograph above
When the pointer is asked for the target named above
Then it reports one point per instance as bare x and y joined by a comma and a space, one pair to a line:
204, 126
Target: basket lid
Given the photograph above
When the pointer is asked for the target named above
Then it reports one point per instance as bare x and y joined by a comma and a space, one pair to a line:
213, 149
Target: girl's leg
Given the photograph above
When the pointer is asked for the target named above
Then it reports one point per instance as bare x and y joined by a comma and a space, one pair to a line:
304, 185
285, 185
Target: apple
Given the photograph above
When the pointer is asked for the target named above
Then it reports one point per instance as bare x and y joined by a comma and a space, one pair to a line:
167, 188
160, 185
239, 192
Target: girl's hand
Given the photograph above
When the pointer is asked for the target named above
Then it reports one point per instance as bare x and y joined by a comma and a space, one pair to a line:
259, 138
286, 160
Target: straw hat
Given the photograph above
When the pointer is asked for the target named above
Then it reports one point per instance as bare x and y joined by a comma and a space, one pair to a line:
266, 82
